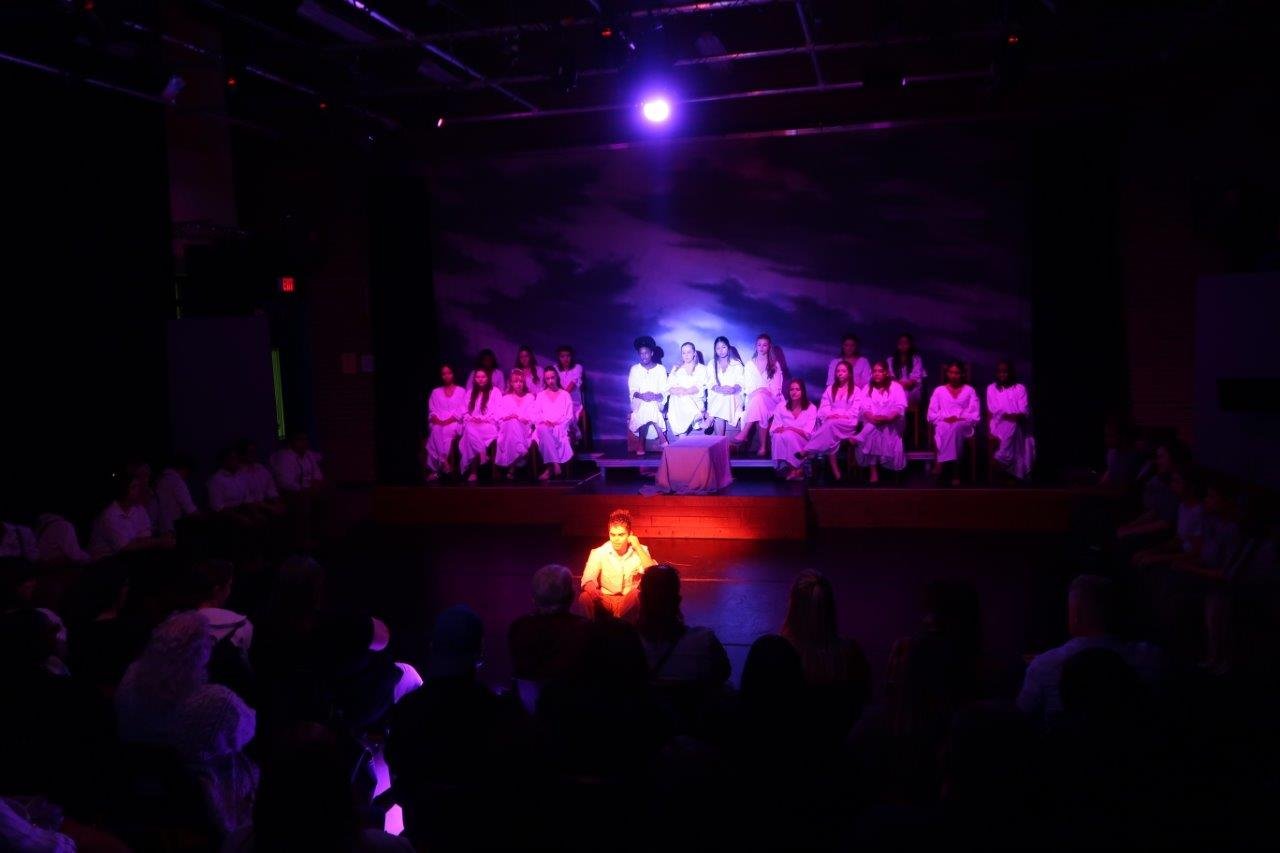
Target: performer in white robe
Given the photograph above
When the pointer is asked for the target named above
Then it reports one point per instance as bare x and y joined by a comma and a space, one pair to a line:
837, 417
571, 374
907, 369
791, 427
647, 392
849, 352
954, 412
516, 415
687, 391
554, 413
724, 393
762, 389
445, 408
488, 362
1009, 422
526, 361
479, 424
879, 441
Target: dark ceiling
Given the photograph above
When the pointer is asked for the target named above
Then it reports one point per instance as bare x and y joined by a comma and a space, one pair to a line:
511, 73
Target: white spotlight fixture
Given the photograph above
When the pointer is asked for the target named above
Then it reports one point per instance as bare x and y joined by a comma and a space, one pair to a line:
656, 109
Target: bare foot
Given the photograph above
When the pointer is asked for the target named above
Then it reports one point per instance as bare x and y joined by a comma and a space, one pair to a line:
433, 477
545, 475
835, 468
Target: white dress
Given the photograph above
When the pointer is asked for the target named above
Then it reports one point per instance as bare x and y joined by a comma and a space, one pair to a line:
684, 410
496, 379
727, 407
861, 372
653, 380
759, 408
440, 436
838, 417
479, 428
949, 438
553, 441
515, 427
573, 374
787, 445
916, 394
1017, 450
881, 444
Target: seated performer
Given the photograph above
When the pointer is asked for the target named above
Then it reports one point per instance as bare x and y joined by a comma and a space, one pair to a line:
687, 387
762, 385
571, 376
479, 423
879, 442
907, 369
446, 408
838, 416
1009, 427
553, 415
611, 579
954, 412
647, 389
488, 362
792, 427
518, 410
849, 351
532, 375
724, 396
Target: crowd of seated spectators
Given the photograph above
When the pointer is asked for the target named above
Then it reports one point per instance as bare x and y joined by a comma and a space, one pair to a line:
215, 696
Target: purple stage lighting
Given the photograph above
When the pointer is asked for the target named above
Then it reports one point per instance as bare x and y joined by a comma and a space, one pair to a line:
656, 109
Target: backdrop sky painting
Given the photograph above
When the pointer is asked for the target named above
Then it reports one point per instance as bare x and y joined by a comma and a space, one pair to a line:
804, 238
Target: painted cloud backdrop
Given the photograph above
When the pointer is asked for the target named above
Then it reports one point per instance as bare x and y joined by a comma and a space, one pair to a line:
804, 238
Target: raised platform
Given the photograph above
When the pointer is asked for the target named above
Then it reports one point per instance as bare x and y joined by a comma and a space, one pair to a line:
747, 510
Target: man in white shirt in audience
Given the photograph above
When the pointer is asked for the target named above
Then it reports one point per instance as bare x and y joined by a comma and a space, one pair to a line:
125, 525
226, 489
297, 466
259, 482
173, 495
611, 579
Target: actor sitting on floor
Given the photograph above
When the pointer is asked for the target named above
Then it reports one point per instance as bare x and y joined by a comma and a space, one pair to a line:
611, 580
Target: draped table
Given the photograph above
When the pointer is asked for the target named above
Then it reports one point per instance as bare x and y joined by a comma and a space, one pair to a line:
695, 465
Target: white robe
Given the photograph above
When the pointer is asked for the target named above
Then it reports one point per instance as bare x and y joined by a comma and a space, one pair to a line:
1017, 450
440, 436
916, 394
861, 371
881, 444
496, 379
949, 438
684, 410
479, 428
553, 441
760, 407
573, 374
515, 427
838, 418
787, 445
727, 407
653, 380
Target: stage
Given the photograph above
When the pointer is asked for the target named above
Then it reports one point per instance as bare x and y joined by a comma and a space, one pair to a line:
756, 506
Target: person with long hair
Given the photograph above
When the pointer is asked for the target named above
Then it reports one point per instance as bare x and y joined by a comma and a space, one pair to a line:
516, 422
907, 369
647, 393
571, 375
792, 427
526, 361
849, 351
724, 396
488, 362
1009, 424
954, 413
446, 408
687, 389
762, 385
879, 442
838, 415
479, 424
553, 415
834, 667
676, 652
